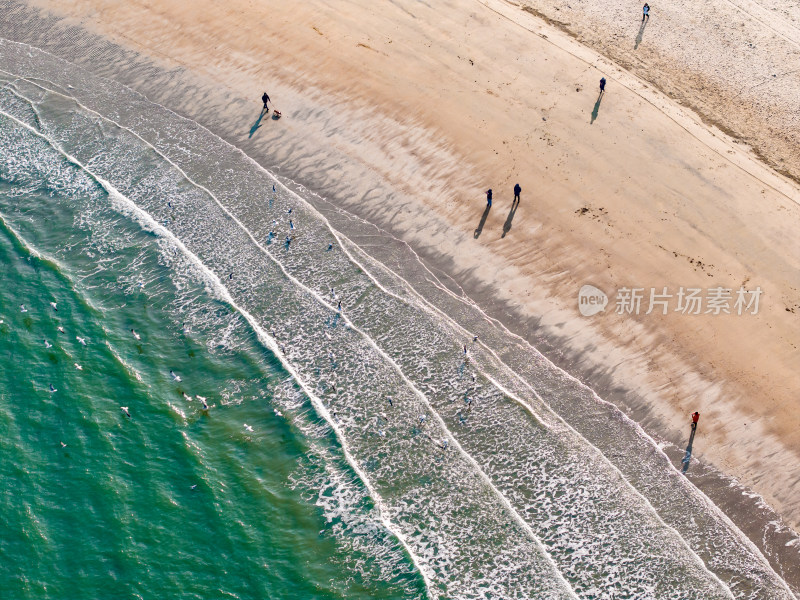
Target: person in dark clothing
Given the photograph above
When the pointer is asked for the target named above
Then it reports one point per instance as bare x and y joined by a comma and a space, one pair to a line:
645, 12
489, 197
602, 84
517, 190
265, 99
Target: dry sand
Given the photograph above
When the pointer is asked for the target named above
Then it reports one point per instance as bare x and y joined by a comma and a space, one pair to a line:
404, 112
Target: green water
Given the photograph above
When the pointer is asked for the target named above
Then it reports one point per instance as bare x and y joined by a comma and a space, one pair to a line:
171, 502
346, 452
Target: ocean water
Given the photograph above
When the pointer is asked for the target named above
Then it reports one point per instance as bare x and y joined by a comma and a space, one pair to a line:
346, 452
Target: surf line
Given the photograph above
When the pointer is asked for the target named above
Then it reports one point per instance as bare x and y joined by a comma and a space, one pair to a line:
424, 305
157, 227
484, 476
432, 309
363, 334
436, 312
145, 219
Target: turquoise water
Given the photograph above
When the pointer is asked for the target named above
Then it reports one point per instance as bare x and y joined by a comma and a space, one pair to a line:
353, 452
96, 504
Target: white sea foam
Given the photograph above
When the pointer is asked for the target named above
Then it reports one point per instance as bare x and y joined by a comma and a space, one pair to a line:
352, 423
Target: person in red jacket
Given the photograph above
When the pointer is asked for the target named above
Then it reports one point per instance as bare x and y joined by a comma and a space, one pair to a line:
695, 419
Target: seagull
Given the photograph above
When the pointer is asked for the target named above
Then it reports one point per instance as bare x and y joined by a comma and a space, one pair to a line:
55, 306
277, 412
47, 344
63, 445
52, 389
136, 335
194, 486
80, 339
22, 308
125, 411
60, 329
248, 428
175, 377
77, 366
203, 400
189, 398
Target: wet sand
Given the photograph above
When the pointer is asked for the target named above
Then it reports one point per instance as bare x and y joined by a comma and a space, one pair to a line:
404, 114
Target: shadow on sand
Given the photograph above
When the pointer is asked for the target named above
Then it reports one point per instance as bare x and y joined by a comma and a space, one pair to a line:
507, 224
687, 457
641, 34
596, 108
483, 221
257, 124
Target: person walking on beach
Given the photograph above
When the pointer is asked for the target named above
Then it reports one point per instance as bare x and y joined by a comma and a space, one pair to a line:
695, 419
602, 84
489, 197
517, 191
645, 12
265, 99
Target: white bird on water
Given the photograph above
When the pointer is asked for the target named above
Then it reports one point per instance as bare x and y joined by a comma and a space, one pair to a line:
60, 329
248, 428
54, 305
22, 308
47, 344
203, 400
80, 339
52, 389
77, 366
125, 411
175, 377
189, 398
136, 335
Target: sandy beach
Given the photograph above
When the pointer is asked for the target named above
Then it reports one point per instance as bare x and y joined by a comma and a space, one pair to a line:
681, 175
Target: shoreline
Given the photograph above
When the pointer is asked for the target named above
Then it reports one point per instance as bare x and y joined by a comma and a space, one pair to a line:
541, 312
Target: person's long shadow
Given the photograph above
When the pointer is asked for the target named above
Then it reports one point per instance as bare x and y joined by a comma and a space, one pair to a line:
257, 124
687, 457
507, 224
641, 34
596, 108
483, 221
